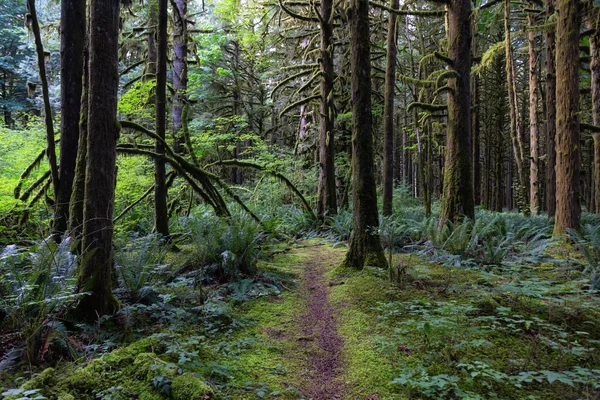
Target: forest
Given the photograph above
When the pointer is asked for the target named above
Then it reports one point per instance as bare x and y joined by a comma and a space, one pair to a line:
299, 199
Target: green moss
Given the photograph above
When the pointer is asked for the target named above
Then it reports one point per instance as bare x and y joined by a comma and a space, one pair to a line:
45, 378
189, 387
65, 396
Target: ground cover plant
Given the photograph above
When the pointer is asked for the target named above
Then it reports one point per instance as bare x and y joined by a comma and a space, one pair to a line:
299, 199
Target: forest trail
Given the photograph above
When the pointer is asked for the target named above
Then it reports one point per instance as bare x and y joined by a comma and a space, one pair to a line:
318, 328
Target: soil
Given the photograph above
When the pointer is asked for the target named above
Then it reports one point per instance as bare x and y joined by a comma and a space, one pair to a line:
318, 335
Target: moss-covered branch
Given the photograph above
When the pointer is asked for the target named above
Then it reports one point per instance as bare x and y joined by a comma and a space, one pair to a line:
590, 128
446, 75
298, 104
289, 184
427, 107
419, 13
25, 174
413, 81
443, 57
289, 79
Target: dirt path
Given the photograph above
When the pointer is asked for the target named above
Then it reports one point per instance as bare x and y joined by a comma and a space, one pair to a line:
318, 334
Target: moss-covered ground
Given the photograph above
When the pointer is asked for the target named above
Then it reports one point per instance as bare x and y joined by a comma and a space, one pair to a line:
435, 332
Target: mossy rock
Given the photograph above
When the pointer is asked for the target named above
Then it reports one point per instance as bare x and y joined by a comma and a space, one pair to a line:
65, 396
84, 380
189, 387
43, 379
487, 306
126, 355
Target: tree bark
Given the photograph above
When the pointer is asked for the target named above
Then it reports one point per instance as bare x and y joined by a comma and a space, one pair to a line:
365, 246
476, 114
161, 217
327, 204
550, 113
388, 112
516, 134
457, 197
593, 23
72, 41
568, 146
50, 146
534, 195
75, 227
180, 71
96, 273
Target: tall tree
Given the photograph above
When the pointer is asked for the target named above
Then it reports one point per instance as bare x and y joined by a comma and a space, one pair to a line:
457, 196
365, 246
327, 204
516, 133
180, 70
534, 184
550, 113
72, 41
568, 146
96, 273
32, 20
161, 218
388, 111
593, 24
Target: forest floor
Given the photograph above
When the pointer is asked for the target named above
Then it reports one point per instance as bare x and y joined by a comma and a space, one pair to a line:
305, 328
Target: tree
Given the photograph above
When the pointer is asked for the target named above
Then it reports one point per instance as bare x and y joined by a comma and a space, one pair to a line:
534, 189
568, 146
457, 196
550, 113
593, 23
388, 111
180, 71
327, 204
365, 246
96, 272
516, 134
72, 40
161, 218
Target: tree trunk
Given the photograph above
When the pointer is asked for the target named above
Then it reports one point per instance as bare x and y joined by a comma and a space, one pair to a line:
365, 247
72, 41
515, 126
95, 274
568, 145
78, 191
161, 217
476, 107
180, 71
593, 23
550, 113
326, 194
534, 195
41, 61
388, 112
457, 198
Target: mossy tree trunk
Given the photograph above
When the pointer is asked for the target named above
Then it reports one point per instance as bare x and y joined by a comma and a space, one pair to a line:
476, 113
161, 217
365, 246
457, 196
550, 113
180, 71
534, 157
568, 146
327, 204
593, 23
388, 111
72, 41
96, 273
75, 226
516, 134
48, 119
